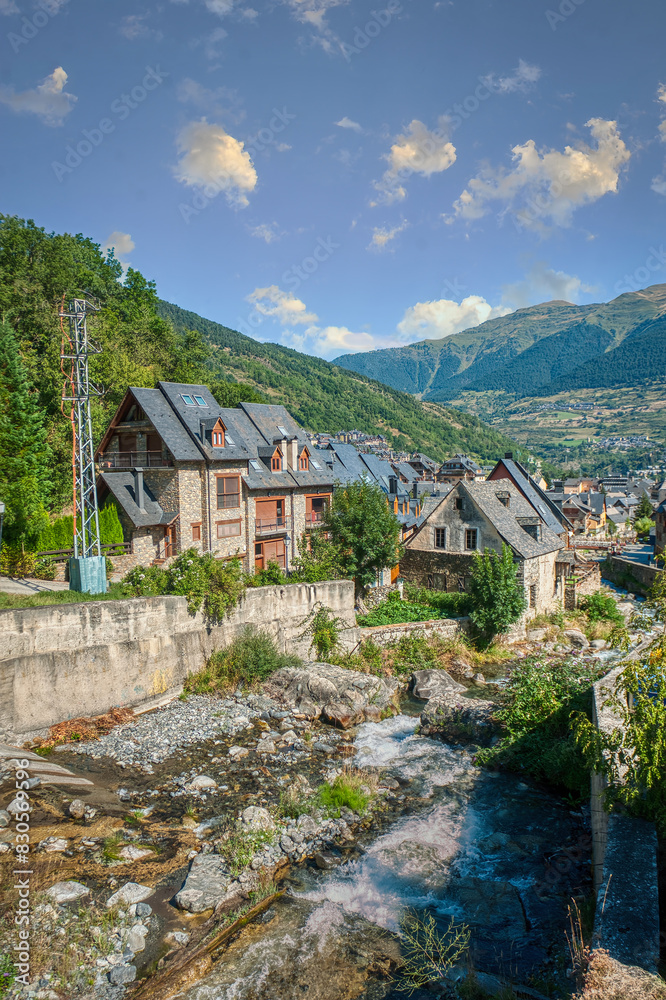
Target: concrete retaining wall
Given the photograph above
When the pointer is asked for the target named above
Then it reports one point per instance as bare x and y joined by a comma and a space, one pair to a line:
624, 860
62, 661
633, 576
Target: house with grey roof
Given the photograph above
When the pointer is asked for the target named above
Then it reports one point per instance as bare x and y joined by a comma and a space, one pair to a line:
456, 468
545, 505
474, 516
185, 472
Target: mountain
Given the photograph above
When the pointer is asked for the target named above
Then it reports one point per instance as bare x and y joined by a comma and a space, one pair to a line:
325, 397
549, 347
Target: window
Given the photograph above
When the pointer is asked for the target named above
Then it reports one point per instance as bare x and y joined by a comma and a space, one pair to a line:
188, 400
471, 538
533, 595
283, 431
303, 463
440, 538
218, 439
228, 529
200, 401
228, 491
276, 461
316, 464
504, 498
255, 465
457, 503
196, 532
230, 441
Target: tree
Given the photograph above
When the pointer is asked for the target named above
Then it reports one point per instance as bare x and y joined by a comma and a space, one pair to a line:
643, 509
643, 526
611, 527
497, 596
318, 559
364, 530
24, 454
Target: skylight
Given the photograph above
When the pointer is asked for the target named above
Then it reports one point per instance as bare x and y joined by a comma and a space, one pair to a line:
200, 401
188, 400
230, 441
283, 430
315, 463
255, 464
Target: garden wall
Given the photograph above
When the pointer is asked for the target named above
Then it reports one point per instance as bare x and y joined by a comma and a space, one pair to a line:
446, 628
624, 862
62, 661
633, 576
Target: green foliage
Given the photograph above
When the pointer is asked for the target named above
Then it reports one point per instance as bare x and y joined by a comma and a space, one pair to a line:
436, 604
364, 530
498, 600
271, 576
344, 793
633, 755
428, 953
537, 739
453, 604
643, 508
59, 534
413, 652
601, 607
643, 526
323, 629
251, 658
319, 560
7, 973
110, 528
619, 638
206, 582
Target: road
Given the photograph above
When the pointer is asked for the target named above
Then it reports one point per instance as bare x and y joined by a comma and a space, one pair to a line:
24, 585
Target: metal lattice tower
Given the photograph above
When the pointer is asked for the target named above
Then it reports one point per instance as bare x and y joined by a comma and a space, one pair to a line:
77, 349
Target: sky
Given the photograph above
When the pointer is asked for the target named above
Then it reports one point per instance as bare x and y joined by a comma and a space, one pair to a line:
341, 176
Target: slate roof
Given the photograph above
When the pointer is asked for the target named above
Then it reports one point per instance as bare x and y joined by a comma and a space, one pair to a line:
545, 506
503, 519
121, 485
403, 469
595, 501
161, 415
462, 460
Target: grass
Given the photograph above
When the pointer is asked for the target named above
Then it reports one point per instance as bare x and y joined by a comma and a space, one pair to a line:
11, 602
350, 790
250, 659
238, 846
418, 652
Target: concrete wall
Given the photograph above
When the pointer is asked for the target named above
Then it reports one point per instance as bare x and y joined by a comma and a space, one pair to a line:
633, 576
624, 860
63, 661
445, 628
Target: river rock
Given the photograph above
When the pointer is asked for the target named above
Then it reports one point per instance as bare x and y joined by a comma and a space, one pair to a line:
455, 718
132, 853
428, 684
131, 892
206, 884
461, 668
325, 860
200, 782
136, 938
598, 644
257, 818
19, 804
76, 809
479, 680
54, 845
122, 974
5, 818
237, 752
537, 634
340, 697
576, 638
67, 892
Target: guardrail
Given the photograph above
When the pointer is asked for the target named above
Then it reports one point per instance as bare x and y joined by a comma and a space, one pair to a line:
134, 460
62, 555
275, 526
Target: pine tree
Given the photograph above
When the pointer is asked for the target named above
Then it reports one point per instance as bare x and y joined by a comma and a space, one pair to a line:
644, 508
497, 596
24, 453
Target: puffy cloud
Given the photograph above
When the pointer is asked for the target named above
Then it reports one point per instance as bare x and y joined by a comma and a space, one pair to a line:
211, 158
544, 284
444, 317
382, 236
549, 185
282, 306
266, 232
121, 243
50, 101
348, 123
329, 341
417, 151
524, 77
133, 26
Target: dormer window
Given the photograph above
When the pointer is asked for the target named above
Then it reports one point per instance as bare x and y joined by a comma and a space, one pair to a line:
304, 461
218, 435
504, 498
276, 461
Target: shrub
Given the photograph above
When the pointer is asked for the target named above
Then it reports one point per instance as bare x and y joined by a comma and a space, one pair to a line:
318, 559
206, 582
537, 735
45, 569
272, 575
344, 792
428, 953
452, 604
394, 610
498, 599
252, 657
323, 628
601, 607
15, 562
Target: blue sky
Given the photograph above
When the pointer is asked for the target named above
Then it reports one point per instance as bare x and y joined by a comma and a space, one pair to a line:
342, 175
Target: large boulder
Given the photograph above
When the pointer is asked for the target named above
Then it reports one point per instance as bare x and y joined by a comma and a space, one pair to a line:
451, 717
428, 684
576, 638
340, 697
206, 884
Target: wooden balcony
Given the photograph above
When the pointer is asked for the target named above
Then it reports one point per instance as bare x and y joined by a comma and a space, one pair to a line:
133, 460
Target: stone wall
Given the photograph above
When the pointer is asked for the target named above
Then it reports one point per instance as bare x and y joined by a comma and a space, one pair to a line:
445, 628
577, 587
63, 661
633, 576
624, 861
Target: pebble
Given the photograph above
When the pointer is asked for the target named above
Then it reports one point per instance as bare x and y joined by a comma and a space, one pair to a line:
66, 892
131, 853
5, 818
76, 808
131, 892
122, 974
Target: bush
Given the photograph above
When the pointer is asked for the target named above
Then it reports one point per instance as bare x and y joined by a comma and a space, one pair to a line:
251, 658
344, 793
15, 562
45, 569
394, 610
601, 607
452, 604
323, 628
537, 736
498, 599
206, 582
319, 559
272, 575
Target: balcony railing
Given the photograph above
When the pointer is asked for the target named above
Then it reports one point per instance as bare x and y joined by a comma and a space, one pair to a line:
274, 526
314, 517
133, 460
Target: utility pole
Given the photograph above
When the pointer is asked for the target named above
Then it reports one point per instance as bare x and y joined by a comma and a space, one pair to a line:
87, 568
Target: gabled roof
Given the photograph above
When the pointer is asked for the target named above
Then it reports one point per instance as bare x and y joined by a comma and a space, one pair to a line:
190, 418
404, 469
122, 486
545, 506
463, 460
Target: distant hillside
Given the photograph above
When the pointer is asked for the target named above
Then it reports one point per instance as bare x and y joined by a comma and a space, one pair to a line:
324, 397
556, 342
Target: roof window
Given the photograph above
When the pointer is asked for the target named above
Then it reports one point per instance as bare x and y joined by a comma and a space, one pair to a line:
316, 464
231, 442
283, 430
187, 399
255, 465
200, 401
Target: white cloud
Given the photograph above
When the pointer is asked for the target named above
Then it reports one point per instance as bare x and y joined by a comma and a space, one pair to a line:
549, 185
50, 101
211, 158
313, 14
382, 236
121, 243
444, 317
544, 284
279, 305
524, 77
133, 26
8, 7
282, 147
416, 151
268, 232
348, 123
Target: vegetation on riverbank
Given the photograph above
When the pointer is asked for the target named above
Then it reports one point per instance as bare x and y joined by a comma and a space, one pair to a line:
250, 659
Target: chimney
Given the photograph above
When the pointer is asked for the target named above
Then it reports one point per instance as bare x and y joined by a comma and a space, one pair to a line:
509, 454
139, 498
293, 453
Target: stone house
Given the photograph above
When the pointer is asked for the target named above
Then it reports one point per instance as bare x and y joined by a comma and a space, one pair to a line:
424, 466
660, 529
185, 472
457, 468
534, 493
474, 516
